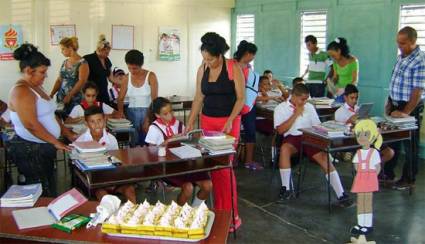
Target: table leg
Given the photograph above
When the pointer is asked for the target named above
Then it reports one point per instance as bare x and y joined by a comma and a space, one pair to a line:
232, 197
301, 158
411, 143
329, 180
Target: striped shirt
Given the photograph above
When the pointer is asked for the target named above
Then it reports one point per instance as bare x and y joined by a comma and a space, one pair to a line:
408, 74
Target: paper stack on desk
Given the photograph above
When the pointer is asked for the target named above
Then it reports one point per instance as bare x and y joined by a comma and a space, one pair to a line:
21, 195
331, 128
322, 102
118, 123
218, 144
90, 156
402, 123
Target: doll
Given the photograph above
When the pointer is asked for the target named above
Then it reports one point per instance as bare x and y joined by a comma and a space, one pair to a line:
367, 164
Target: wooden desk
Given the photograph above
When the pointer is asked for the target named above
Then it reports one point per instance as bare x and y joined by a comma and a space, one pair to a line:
327, 144
324, 113
143, 163
10, 233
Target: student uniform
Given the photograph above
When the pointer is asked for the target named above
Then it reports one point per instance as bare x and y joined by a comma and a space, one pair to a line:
78, 111
107, 139
343, 113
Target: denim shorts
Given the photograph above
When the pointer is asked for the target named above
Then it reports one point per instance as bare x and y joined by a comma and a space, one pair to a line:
137, 116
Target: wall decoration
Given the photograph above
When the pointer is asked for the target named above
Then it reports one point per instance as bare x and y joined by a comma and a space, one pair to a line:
57, 32
122, 37
10, 39
169, 44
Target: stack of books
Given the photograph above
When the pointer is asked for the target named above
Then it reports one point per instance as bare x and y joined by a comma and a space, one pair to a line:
331, 128
217, 143
322, 102
118, 123
91, 155
402, 123
21, 196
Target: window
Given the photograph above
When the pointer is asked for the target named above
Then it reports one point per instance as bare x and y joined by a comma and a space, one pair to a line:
312, 23
413, 15
245, 28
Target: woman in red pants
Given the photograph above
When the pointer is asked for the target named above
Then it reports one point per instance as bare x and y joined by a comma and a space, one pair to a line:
221, 98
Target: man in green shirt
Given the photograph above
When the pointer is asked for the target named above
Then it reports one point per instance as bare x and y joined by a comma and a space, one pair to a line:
316, 69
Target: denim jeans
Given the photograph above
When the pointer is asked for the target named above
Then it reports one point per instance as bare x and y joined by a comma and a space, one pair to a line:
137, 116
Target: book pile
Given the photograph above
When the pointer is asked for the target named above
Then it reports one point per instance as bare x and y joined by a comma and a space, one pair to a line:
402, 123
331, 128
21, 195
217, 143
118, 123
322, 102
91, 155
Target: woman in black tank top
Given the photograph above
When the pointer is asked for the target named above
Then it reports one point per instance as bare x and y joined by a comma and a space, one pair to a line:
221, 98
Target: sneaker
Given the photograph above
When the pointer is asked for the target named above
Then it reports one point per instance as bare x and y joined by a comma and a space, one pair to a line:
256, 166
238, 223
361, 230
345, 201
284, 194
403, 184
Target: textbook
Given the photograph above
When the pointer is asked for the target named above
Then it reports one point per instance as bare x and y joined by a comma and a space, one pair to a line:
21, 195
88, 146
43, 216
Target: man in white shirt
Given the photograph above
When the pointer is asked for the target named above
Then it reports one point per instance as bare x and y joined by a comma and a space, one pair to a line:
289, 117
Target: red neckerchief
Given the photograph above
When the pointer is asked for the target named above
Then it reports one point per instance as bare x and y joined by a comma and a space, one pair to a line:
86, 105
168, 130
351, 109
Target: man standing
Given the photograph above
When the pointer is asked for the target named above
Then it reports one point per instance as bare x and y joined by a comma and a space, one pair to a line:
316, 69
406, 98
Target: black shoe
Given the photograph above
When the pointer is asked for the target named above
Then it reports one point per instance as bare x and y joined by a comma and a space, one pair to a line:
403, 184
284, 194
345, 201
361, 230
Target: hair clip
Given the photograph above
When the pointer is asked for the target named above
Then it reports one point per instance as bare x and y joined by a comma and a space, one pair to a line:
337, 40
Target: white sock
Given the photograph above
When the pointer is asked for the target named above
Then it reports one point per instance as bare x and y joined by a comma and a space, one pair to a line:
368, 219
361, 219
336, 183
196, 202
285, 176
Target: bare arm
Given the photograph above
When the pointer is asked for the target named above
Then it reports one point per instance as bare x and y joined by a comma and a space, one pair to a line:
354, 76
306, 71
56, 87
415, 98
240, 91
285, 126
198, 99
153, 82
121, 96
77, 120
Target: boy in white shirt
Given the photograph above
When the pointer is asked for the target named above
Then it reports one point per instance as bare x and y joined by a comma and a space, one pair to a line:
267, 96
347, 113
289, 117
90, 92
164, 126
96, 123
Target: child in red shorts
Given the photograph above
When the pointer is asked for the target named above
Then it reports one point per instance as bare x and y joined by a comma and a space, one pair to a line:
289, 117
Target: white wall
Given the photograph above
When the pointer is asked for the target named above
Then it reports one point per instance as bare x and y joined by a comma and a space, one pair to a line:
192, 17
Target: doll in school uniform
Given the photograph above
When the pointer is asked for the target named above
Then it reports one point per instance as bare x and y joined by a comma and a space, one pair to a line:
368, 164
165, 126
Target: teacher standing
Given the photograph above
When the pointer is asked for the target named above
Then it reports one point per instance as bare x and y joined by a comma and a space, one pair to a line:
32, 112
221, 98
100, 68
406, 98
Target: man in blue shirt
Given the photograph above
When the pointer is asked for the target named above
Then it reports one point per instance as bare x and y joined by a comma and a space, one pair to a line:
406, 98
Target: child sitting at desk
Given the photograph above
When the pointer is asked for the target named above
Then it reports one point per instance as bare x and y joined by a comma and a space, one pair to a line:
96, 123
289, 117
164, 127
266, 95
90, 92
347, 113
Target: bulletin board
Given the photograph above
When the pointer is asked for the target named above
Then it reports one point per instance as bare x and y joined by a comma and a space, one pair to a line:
122, 37
57, 32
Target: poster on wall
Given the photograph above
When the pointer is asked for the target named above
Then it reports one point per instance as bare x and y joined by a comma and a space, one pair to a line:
57, 32
11, 38
169, 44
122, 37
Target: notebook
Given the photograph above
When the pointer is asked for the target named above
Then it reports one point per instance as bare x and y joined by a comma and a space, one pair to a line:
88, 146
186, 152
364, 110
57, 209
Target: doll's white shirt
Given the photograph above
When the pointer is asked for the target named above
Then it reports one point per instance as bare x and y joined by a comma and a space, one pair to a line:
375, 159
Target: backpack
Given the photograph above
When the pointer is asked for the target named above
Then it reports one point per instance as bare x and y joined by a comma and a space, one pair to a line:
251, 85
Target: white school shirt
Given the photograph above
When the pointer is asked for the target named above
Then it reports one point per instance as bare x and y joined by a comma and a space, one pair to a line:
107, 139
375, 159
156, 137
343, 113
6, 116
78, 111
308, 119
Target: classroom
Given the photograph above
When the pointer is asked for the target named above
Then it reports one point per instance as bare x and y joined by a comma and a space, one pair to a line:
212, 121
